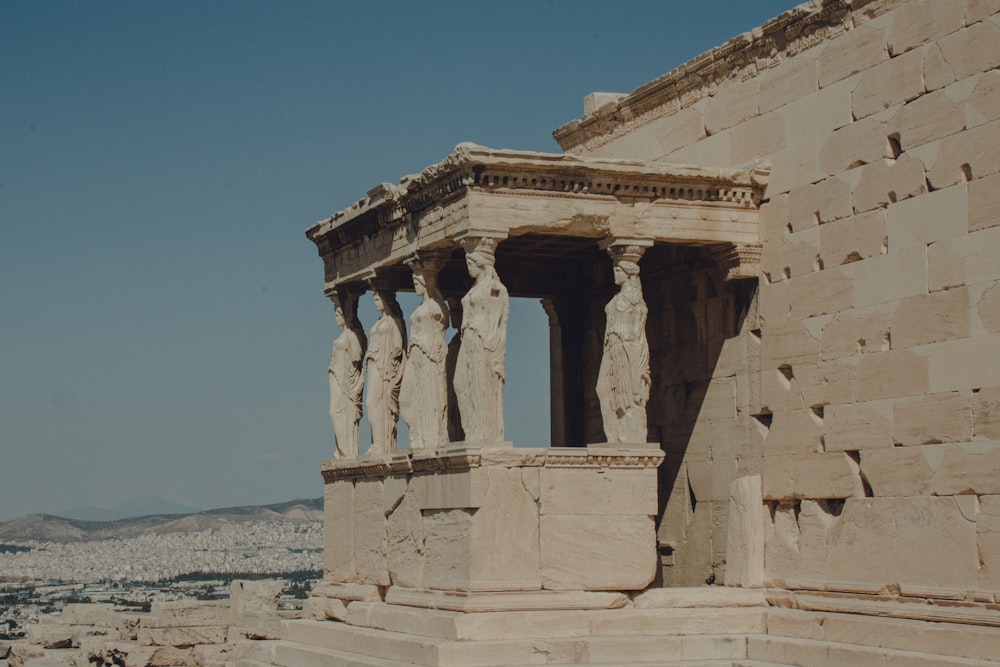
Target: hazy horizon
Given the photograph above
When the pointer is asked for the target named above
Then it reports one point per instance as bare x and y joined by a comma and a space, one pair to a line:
164, 327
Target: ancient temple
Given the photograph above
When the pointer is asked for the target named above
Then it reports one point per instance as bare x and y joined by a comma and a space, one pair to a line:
773, 300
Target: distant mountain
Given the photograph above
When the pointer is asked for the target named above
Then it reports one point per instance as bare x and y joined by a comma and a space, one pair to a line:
49, 528
134, 507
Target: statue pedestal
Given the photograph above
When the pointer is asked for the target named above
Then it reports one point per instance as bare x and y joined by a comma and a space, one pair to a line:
484, 519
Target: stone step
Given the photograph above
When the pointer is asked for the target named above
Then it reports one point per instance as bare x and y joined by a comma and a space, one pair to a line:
449, 625
951, 639
288, 654
819, 653
584, 648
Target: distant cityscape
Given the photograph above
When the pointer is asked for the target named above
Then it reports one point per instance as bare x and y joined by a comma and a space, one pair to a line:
40, 576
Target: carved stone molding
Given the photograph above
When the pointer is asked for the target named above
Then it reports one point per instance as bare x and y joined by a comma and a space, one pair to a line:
743, 57
405, 463
739, 262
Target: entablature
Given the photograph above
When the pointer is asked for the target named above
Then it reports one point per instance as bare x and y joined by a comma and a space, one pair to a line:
522, 194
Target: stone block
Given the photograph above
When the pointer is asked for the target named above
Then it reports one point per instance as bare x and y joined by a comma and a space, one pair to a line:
988, 541
346, 591
852, 239
855, 332
449, 490
808, 120
184, 613
915, 23
937, 72
972, 257
861, 554
976, 10
927, 118
938, 530
571, 559
598, 491
815, 476
790, 80
984, 202
758, 137
710, 480
772, 219
713, 149
887, 181
826, 382
984, 102
888, 84
818, 293
932, 419
892, 374
50, 635
827, 200
745, 538
631, 622
103, 615
972, 50
986, 413
794, 431
505, 538
859, 426
855, 51
369, 527
862, 142
733, 103
945, 269
795, 545
900, 273
929, 318
324, 609
183, 636
681, 129
965, 156
935, 216
967, 468
338, 531
898, 471
405, 539
794, 255
969, 363
448, 549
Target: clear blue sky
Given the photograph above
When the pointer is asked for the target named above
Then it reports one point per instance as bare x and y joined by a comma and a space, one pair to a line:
163, 329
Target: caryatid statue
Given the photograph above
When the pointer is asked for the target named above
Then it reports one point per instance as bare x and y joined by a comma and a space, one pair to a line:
623, 379
385, 361
423, 397
346, 377
479, 369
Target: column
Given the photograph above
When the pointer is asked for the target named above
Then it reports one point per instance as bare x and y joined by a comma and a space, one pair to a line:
345, 373
423, 398
623, 379
384, 361
479, 369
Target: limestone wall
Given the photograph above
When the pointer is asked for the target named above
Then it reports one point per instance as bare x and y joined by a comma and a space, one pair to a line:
865, 371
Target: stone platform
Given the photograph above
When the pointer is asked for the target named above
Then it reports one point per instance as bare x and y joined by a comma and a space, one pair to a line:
697, 627
493, 519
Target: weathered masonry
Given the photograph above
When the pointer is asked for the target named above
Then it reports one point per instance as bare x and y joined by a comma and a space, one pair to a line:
773, 368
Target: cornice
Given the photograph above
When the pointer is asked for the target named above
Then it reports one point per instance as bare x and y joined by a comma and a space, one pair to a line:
471, 166
743, 57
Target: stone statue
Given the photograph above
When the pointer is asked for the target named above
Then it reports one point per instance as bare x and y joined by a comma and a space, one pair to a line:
385, 360
423, 398
623, 379
346, 378
455, 432
479, 370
